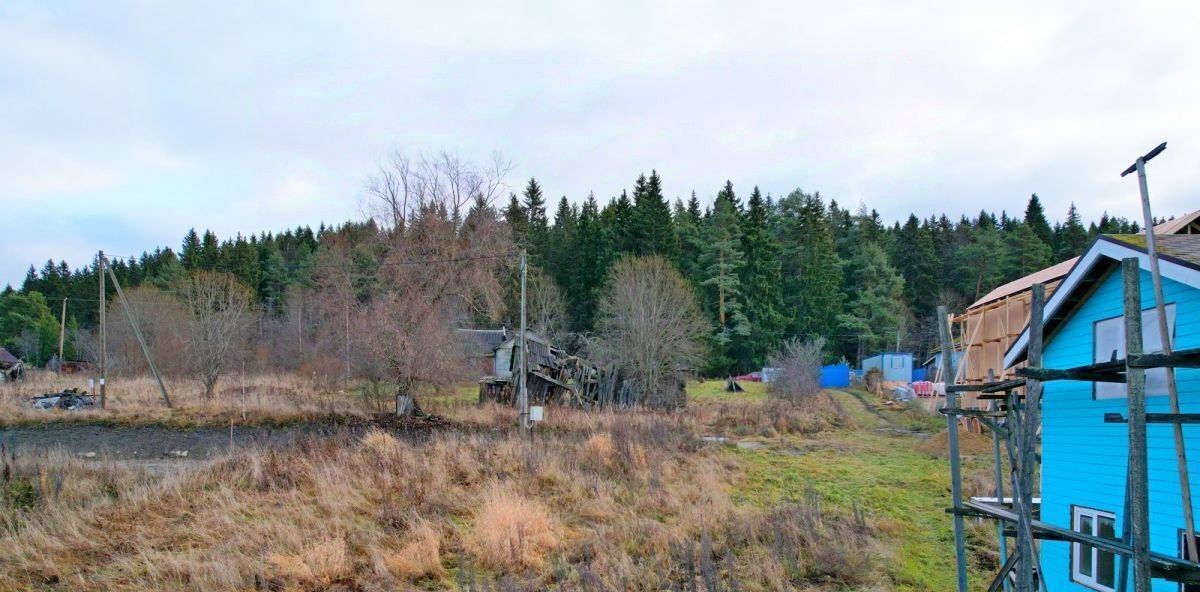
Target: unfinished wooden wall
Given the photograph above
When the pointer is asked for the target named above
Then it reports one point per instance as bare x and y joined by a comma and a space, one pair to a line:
988, 330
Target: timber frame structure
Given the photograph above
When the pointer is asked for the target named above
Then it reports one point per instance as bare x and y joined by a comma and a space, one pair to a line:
1013, 416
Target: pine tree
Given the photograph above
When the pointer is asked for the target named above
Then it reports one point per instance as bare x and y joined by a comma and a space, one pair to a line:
1035, 219
722, 260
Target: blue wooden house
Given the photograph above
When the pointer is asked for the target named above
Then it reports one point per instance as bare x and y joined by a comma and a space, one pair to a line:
1084, 459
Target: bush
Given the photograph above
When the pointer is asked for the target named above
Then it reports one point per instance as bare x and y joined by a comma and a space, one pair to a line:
799, 369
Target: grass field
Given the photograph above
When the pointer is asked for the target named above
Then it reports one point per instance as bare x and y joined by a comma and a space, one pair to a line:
738, 491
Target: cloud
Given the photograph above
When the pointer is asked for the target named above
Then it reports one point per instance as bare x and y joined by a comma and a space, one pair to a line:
154, 118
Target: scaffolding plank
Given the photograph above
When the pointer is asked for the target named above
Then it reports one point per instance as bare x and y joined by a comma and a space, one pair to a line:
1165, 566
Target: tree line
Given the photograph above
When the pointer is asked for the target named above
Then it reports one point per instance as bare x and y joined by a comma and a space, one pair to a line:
440, 248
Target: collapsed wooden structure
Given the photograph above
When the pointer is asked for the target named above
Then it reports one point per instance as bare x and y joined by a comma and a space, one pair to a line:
555, 377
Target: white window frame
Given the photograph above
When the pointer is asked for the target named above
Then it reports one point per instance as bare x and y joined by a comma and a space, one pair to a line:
1156, 378
1078, 513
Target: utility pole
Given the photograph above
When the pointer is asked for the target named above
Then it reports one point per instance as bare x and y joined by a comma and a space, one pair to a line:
523, 393
62, 332
1185, 487
103, 335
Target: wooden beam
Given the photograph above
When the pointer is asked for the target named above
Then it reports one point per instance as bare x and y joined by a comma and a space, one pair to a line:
960, 540
1137, 485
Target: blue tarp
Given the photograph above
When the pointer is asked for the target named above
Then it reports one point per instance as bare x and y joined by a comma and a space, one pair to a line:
918, 374
835, 376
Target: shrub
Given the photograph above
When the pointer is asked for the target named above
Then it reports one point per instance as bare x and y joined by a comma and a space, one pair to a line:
799, 369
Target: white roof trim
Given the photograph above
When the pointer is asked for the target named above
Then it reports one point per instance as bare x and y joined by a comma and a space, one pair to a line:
1106, 249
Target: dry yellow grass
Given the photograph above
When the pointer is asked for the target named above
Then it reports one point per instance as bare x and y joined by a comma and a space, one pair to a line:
254, 399
511, 532
616, 499
420, 557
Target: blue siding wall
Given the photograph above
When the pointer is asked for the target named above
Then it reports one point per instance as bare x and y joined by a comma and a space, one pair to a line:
1084, 459
896, 367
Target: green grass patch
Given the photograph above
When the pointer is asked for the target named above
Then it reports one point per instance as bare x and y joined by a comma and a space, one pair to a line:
702, 391
904, 491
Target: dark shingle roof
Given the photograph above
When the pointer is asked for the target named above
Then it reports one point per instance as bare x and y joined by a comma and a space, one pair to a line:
7, 358
1184, 248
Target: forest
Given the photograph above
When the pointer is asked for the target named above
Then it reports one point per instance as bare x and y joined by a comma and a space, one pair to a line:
763, 269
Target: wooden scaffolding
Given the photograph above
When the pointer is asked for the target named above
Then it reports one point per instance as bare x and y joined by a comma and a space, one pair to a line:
1013, 416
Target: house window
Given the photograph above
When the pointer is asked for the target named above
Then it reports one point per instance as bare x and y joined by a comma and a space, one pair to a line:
897, 363
1091, 566
1183, 553
1109, 340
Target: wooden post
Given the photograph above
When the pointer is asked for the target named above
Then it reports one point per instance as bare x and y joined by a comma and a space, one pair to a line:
999, 475
1135, 383
960, 548
1028, 446
62, 333
103, 335
523, 393
1185, 486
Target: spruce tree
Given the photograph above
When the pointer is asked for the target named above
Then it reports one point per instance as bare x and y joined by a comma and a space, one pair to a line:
1071, 237
594, 257
875, 310
210, 251
914, 256
534, 206
1026, 253
517, 220
812, 269
189, 253
1035, 219
762, 285
652, 232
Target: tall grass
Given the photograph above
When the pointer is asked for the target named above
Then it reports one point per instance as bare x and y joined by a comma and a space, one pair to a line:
603, 501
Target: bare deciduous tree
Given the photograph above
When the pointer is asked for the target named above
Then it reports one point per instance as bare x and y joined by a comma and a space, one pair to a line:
650, 325
546, 307
218, 313
798, 369
405, 185
162, 320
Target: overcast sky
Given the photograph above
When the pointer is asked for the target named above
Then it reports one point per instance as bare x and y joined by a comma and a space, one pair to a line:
122, 124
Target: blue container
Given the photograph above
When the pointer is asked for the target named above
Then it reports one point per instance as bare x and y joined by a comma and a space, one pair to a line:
835, 376
918, 374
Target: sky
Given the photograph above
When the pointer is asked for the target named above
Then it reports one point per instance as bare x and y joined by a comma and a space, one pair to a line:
125, 123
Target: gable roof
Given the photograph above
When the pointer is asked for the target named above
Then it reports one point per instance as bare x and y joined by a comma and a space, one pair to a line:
1021, 284
1178, 256
1185, 224
7, 358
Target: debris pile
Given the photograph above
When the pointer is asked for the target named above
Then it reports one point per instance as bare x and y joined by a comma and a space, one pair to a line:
69, 400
